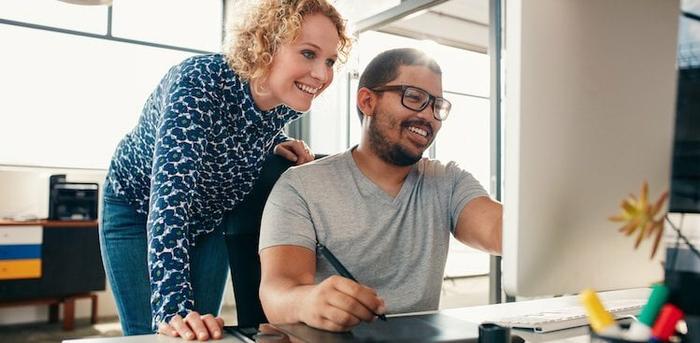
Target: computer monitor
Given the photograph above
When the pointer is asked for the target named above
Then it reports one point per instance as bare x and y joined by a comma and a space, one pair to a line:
685, 171
589, 116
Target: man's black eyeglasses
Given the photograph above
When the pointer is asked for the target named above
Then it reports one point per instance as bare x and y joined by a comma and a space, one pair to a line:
417, 99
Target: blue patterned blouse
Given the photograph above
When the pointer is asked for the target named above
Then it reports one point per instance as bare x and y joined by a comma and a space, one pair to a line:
194, 154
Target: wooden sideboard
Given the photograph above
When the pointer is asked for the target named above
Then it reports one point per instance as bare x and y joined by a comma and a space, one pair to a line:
71, 267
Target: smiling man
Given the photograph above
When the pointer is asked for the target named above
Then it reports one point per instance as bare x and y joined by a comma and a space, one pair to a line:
382, 209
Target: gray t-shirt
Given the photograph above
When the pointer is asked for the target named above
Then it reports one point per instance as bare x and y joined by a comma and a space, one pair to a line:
397, 246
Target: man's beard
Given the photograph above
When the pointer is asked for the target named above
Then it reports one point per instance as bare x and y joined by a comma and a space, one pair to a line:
392, 153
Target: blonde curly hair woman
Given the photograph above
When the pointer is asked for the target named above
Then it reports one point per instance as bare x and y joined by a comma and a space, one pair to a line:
195, 153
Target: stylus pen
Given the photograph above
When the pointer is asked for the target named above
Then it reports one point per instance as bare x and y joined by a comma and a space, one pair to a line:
340, 268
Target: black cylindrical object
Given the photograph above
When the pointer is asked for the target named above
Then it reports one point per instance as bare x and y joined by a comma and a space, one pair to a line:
493, 333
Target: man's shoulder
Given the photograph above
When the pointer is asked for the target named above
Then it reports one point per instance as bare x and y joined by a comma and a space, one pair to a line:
323, 164
430, 168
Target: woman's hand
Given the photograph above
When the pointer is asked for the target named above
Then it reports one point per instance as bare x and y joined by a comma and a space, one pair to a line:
193, 327
295, 150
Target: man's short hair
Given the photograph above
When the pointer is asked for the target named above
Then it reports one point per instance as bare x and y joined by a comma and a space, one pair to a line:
385, 67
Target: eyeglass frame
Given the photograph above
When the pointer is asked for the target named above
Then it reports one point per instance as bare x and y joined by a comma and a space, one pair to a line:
403, 88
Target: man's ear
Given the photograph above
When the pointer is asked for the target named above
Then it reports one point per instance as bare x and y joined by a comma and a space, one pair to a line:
366, 101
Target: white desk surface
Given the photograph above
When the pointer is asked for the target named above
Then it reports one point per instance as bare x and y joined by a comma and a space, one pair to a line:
474, 314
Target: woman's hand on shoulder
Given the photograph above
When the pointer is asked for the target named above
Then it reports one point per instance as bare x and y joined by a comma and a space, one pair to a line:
193, 326
295, 150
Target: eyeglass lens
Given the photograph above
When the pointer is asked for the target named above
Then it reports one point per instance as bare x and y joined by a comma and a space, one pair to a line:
417, 100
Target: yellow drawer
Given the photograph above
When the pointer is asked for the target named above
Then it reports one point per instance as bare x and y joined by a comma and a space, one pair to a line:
20, 269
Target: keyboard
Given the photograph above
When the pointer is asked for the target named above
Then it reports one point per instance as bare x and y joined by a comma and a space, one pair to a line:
569, 317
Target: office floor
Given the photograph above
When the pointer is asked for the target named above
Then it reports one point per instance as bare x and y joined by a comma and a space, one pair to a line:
456, 293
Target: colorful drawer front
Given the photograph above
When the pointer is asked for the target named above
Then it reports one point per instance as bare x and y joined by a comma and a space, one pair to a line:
20, 252
11, 235
20, 269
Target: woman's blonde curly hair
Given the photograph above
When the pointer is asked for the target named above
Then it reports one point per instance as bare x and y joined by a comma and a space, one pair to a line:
272, 23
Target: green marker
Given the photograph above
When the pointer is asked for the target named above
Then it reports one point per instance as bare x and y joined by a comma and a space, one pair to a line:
657, 299
641, 330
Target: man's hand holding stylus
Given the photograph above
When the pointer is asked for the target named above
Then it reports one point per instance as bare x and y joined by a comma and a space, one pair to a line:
338, 304
289, 292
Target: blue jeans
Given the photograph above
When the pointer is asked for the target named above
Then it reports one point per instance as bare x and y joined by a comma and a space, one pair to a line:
124, 252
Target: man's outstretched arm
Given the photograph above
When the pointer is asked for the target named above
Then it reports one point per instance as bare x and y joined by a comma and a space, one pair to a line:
480, 225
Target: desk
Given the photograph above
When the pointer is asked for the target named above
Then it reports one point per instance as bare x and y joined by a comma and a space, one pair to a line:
475, 314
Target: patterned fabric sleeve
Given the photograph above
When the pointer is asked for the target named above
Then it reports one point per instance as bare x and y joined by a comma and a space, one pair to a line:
281, 137
180, 142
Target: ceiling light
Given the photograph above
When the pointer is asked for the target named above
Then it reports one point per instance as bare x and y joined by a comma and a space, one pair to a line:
89, 2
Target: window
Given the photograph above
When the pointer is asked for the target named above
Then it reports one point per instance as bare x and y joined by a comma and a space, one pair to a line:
92, 19
193, 24
69, 98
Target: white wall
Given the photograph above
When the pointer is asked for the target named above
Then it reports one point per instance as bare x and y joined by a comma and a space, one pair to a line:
24, 191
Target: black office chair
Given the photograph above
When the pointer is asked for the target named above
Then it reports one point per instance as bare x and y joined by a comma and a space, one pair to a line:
241, 233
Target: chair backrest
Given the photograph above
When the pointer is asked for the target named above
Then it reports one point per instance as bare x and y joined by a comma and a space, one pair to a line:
242, 232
